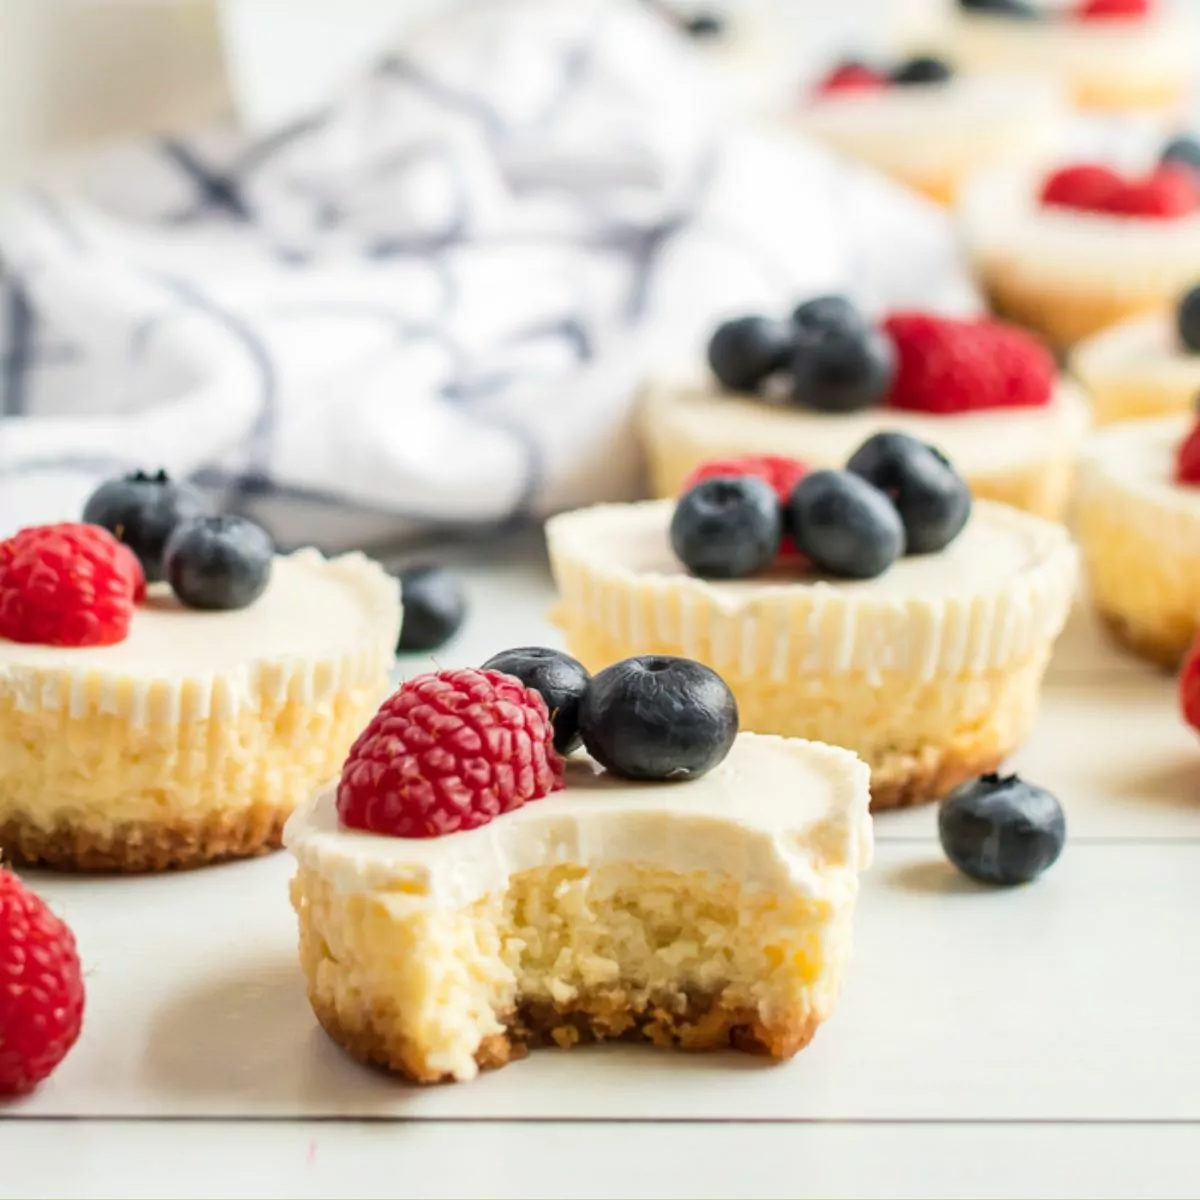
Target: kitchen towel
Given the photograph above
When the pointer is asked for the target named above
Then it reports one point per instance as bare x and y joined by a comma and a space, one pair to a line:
428, 305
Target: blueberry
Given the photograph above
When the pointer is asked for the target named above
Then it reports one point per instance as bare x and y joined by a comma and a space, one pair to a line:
923, 69
142, 511
727, 527
1183, 151
745, 352
1001, 8
561, 680
841, 368
704, 25
1187, 320
657, 717
434, 607
1001, 829
218, 562
847, 527
929, 494
827, 312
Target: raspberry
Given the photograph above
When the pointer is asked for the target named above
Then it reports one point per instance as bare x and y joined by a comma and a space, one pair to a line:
1187, 458
67, 585
945, 365
1189, 686
851, 77
1099, 9
41, 988
449, 751
1168, 191
782, 474
1091, 187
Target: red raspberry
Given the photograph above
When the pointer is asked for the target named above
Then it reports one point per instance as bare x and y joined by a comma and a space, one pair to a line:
1167, 192
449, 751
67, 585
1093, 9
1091, 187
41, 988
781, 473
1189, 686
945, 365
1187, 458
851, 77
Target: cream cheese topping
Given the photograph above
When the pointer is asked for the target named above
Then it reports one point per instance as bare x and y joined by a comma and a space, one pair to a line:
1143, 351
777, 814
1138, 459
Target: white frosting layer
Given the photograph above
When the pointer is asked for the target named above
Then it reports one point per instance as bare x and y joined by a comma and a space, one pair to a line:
1138, 458
978, 443
1142, 352
322, 624
777, 814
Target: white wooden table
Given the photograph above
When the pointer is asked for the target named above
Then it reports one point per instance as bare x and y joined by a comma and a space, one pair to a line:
1037, 1041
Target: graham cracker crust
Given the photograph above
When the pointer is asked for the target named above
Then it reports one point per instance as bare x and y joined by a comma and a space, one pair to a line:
1164, 648
700, 1023
929, 782
145, 847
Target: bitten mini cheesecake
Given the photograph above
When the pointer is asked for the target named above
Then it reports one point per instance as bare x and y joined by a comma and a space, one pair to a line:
464, 894
873, 608
816, 386
1138, 525
146, 728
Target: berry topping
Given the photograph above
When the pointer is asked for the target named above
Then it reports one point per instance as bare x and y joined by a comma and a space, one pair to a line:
953, 366
704, 25
435, 606
844, 525
1171, 190
840, 365
923, 69
1092, 187
1189, 686
1094, 10
1187, 458
1000, 829
1018, 9
657, 717
142, 511
1182, 151
852, 77
67, 585
745, 352
558, 678
446, 752
218, 563
930, 496
41, 988
729, 527
823, 313
1187, 320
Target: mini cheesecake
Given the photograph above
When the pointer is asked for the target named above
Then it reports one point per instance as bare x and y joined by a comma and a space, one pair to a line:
930, 671
699, 914
1138, 526
194, 737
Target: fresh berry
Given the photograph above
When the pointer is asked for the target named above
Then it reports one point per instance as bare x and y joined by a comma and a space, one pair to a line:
435, 606
1189, 686
1168, 192
929, 494
841, 368
449, 751
1091, 10
67, 585
142, 511
852, 77
745, 352
704, 25
782, 474
1090, 187
1187, 320
218, 563
558, 678
729, 527
1000, 829
1187, 458
823, 313
1182, 151
657, 717
1018, 9
844, 525
923, 69
41, 988
946, 365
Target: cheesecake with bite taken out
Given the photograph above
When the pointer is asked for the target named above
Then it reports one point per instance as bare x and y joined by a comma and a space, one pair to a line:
464, 893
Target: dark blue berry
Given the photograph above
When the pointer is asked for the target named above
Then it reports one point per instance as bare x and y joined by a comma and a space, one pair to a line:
847, 527
923, 69
1001, 829
841, 368
142, 511
1019, 9
727, 527
434, 607
704, 25
745, 352
827, 312
218, 563
929, 494
658, 717
561, 680
1183, 151
1187, 320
